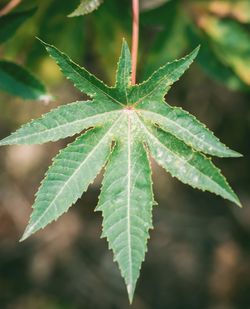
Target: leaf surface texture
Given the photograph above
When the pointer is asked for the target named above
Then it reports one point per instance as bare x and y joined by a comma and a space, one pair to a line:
126, 124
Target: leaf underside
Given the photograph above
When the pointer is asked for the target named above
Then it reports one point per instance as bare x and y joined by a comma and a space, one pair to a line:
125, 125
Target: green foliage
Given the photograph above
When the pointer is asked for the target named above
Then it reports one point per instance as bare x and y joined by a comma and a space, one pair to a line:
168, 29
15, 79
20, 82
126, 124
213, 66
218, 25
86, 7
11, 22
225, 36
52, 24
109, 29
171, 38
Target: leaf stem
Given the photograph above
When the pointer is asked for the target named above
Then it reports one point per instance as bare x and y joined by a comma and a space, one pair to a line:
9, 7
135, 38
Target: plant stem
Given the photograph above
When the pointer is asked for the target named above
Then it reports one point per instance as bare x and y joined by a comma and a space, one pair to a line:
135, 38
9, 7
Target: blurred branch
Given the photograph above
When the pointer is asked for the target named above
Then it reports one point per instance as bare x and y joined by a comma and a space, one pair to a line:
9, 7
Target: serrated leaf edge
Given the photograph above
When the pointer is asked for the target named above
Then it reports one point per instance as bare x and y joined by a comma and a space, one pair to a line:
228, 153
29, 228
234, 197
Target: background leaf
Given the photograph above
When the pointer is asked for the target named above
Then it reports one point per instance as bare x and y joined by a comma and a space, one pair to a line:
18, 81
212, 65
11, 22
108, 31
239, 10
231, 44
169, 40
86, 7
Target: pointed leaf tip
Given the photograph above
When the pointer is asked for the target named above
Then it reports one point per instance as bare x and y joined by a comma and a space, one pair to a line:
27, 233
81, 78
196, 51
237, 201
130, 290
42, 42
123, 73
234, 154
125, 44
186, 127
163, 78
193, 54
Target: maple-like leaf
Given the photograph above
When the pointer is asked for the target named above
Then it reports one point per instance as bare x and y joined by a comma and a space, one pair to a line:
126, 124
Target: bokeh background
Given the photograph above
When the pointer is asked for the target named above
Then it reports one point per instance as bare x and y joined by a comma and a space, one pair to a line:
199, 252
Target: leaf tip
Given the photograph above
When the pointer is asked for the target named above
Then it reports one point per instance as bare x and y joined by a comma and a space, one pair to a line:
7, 141
27, 233
2, 142
235, 154
23, 238
72, 15
124, 41
228, 153
40, 40
238, 202
43, 43
130, 290
125, 46
195, 52
234, 198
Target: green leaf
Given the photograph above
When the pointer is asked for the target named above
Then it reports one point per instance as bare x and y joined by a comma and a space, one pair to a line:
123, 74
81, 78
11, 22
187, 165
125, 123
185, 127
231, 44
64, 121
126, 203
212, 65
86, 7
167, 75
18, 81
70, 175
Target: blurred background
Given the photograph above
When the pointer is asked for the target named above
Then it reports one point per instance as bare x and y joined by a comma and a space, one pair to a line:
199, 252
